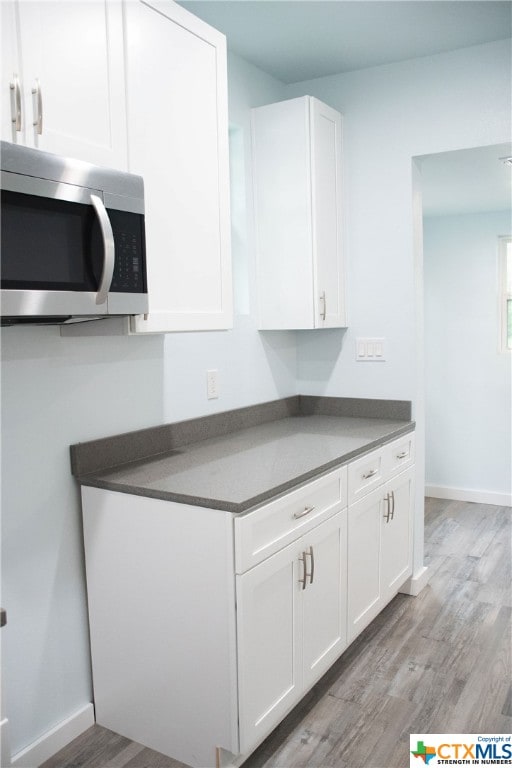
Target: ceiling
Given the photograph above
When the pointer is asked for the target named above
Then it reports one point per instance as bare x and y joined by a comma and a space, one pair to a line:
466, 181
296, 40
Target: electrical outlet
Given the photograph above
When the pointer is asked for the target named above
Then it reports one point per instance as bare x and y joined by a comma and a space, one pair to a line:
212, 384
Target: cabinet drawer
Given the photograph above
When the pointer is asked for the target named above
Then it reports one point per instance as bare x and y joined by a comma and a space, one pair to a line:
271, 527
399, 455
365, 474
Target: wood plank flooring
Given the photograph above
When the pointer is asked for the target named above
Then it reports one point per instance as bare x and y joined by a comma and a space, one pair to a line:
438, 663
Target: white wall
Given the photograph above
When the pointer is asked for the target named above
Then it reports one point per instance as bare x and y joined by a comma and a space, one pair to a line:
57, 391
467, 377
392, 113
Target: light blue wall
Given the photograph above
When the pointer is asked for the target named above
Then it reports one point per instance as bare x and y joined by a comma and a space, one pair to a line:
391, 114
467, 377
55, 392
253, 367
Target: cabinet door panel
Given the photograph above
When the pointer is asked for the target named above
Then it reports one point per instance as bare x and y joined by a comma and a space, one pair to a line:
177, 111
269, 658
75, 52
324, 617
364, 554
326, 206
397, 535
10, 64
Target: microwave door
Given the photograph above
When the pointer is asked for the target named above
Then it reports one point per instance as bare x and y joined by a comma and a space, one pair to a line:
57, 248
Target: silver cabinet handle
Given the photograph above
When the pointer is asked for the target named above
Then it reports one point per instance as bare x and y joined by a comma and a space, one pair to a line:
369, 474
38, 107
393, 504
305, 511
312, 556
15, 88
388, 505
323, 299
108, 249
302, 581
402, 455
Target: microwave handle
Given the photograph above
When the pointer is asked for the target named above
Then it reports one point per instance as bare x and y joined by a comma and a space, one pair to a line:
108, 248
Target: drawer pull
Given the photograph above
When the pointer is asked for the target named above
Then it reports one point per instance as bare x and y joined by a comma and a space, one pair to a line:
312, 556
402, 455
369, 474
305, 511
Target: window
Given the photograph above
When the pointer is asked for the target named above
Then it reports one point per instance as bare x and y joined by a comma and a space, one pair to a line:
505, 253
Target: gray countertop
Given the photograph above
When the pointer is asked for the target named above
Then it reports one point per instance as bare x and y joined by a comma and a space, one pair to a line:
246, 467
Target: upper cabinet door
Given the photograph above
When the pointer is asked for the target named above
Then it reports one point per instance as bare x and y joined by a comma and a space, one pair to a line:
13, 127
297, 185
326, 211
178, 141
72, 80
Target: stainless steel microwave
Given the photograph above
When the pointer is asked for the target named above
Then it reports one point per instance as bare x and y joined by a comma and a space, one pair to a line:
72, 239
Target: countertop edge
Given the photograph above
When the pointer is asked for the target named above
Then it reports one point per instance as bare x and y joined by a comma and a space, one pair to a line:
255, 501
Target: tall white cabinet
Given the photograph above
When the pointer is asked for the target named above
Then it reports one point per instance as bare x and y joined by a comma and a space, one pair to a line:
139, 86
63, 87
298, 207
178, 141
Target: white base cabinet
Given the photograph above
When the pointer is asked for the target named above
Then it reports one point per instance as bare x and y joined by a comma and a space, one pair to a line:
379, 532
207, 627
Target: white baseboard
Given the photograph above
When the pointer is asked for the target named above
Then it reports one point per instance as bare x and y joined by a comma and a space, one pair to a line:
55, 739
467, 494
417, 581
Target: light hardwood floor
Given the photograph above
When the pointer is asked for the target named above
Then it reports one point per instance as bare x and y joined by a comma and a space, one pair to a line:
438, 663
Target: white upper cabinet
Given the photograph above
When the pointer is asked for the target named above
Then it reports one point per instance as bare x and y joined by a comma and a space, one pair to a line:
297, 181
63, 79
178, 141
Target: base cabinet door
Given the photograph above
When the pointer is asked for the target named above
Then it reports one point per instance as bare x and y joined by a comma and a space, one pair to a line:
269, 624
291, 622
397, 533
364, 566
324, 597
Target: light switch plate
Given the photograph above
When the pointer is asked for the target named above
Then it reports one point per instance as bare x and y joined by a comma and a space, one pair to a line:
370, 350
